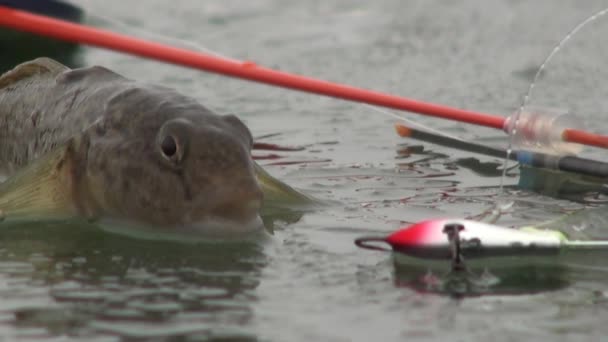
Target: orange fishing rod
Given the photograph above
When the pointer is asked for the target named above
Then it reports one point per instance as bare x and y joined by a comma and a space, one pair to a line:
77, 33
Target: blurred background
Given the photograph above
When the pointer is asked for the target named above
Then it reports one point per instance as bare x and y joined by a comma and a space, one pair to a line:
16, 47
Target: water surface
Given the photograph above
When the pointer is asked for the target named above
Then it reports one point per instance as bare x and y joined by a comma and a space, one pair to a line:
308, 281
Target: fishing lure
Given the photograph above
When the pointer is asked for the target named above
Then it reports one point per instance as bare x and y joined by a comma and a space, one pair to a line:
460, 241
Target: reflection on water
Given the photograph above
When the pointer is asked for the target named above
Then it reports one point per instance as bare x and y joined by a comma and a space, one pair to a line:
518, 280
67, 280
61, 279
503, 276
542, 181
560, 184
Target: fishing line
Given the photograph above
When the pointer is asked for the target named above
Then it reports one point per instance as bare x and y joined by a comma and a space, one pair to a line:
410, 121
497, 210
562, 139
491, 121
151, 34
540, 69
199, 47
516, 117
185, 43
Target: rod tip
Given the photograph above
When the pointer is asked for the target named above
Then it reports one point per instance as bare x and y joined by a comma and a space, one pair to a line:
402, 130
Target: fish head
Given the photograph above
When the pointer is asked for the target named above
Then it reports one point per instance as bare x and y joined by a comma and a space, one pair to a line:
174, 165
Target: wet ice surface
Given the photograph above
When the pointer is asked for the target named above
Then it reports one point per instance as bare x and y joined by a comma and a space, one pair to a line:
308, 281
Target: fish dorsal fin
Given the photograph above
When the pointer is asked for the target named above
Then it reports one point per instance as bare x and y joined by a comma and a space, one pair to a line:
38, 66
93, 74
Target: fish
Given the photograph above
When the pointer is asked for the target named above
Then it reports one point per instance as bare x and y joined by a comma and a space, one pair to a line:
88, 143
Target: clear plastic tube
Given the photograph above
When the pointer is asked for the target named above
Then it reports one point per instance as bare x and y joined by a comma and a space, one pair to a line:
540, 129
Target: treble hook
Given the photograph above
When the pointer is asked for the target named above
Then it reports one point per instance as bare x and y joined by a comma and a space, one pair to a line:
452, 230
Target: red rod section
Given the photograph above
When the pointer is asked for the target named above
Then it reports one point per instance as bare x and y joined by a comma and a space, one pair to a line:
585, 138
72, 32
59, 29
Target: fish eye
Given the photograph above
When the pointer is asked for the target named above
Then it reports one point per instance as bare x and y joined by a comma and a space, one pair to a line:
172, 141
168, 146
170, 149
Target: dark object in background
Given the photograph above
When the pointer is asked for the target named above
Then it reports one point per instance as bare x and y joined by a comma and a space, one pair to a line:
17, 47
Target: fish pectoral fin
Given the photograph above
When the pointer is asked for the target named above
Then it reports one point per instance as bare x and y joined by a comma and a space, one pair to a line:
38, 66
41, 190
277, 193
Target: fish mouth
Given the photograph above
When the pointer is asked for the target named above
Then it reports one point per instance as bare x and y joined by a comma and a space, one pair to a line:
213, 228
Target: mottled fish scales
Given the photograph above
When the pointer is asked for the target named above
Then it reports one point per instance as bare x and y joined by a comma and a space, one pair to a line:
102, 145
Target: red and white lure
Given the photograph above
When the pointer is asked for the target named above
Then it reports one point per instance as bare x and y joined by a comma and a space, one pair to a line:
457, 239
